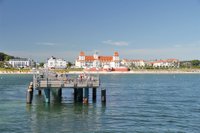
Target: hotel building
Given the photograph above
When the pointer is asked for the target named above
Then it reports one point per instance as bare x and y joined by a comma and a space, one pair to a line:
96, 61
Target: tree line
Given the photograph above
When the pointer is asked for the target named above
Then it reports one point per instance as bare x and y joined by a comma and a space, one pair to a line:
5, 57
189, 64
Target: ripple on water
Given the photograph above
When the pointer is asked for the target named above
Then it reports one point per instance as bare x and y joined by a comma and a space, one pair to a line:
135, 103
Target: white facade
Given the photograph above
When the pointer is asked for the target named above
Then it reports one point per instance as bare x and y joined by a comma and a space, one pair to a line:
97, 61
56, 63
20, 63
135, 63
157, 64
166, 63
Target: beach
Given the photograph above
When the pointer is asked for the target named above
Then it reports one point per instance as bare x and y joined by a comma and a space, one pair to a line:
141, 72
177, 71
16, 72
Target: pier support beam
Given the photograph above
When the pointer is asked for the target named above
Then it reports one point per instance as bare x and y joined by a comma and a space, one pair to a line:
60, 93
57, 94
47, 95
78, 95
75, 94
103, 95
29, 94
94, 94
86, 95
39, 92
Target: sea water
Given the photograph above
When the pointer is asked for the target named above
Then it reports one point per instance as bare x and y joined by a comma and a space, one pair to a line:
141, 103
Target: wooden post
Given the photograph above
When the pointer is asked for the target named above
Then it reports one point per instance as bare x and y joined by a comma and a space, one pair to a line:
29, 94
60, 92
103, 95
75, 94
39, 92
86, 95
79, 96
94, 94
47, 95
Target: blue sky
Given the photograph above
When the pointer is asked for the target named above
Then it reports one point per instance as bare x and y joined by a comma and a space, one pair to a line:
137, 29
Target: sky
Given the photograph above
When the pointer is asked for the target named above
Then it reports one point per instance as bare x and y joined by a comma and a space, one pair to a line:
137, 29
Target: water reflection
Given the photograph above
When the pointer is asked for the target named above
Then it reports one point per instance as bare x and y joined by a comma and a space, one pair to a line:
69, 117
135, 103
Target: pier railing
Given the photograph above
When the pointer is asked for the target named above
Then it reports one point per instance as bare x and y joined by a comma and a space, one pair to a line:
54, 81
45, 80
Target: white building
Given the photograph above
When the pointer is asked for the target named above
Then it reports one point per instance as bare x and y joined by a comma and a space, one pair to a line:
56, 63
157, 64
97, 61
166, 63
133, 63
21, 62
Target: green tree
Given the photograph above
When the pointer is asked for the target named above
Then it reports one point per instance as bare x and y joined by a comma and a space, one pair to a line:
1, 64
69, 64
195, 62
41, 64
5, 57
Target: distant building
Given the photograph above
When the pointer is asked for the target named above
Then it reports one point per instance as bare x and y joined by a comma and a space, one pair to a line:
156, 64
96, 61
166, 63
21, 63
133, 63
55, 63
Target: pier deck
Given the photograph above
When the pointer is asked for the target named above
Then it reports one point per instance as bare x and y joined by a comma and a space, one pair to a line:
70, 83
52, 80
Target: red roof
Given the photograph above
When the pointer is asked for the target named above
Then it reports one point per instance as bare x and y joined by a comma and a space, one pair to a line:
116, 54
82, 53
101, 58
89, 58
172, 60
134, 60
105, 58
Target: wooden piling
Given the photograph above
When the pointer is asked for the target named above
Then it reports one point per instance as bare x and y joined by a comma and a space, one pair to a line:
94, 94
60, 92
39, 92
79, 95
47, 95
103, 95
29, 94
75, 94
86, 95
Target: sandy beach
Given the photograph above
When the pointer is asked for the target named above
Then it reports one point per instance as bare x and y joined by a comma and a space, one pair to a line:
18, 72
142, 72
187, 71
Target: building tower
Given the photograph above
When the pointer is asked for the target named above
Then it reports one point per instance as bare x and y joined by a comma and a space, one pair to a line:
116, 59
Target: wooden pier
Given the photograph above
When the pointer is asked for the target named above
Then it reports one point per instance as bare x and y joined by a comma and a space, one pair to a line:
48, 81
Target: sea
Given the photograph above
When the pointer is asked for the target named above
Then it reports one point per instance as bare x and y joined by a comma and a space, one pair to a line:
136, 103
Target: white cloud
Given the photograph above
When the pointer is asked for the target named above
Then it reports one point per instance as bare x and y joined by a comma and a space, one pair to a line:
45, 43
116, 43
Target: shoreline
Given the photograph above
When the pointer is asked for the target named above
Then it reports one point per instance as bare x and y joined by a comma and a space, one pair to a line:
141, 72
4, 72
119, 72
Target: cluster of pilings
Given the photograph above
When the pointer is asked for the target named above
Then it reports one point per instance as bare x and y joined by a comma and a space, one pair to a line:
81, 95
